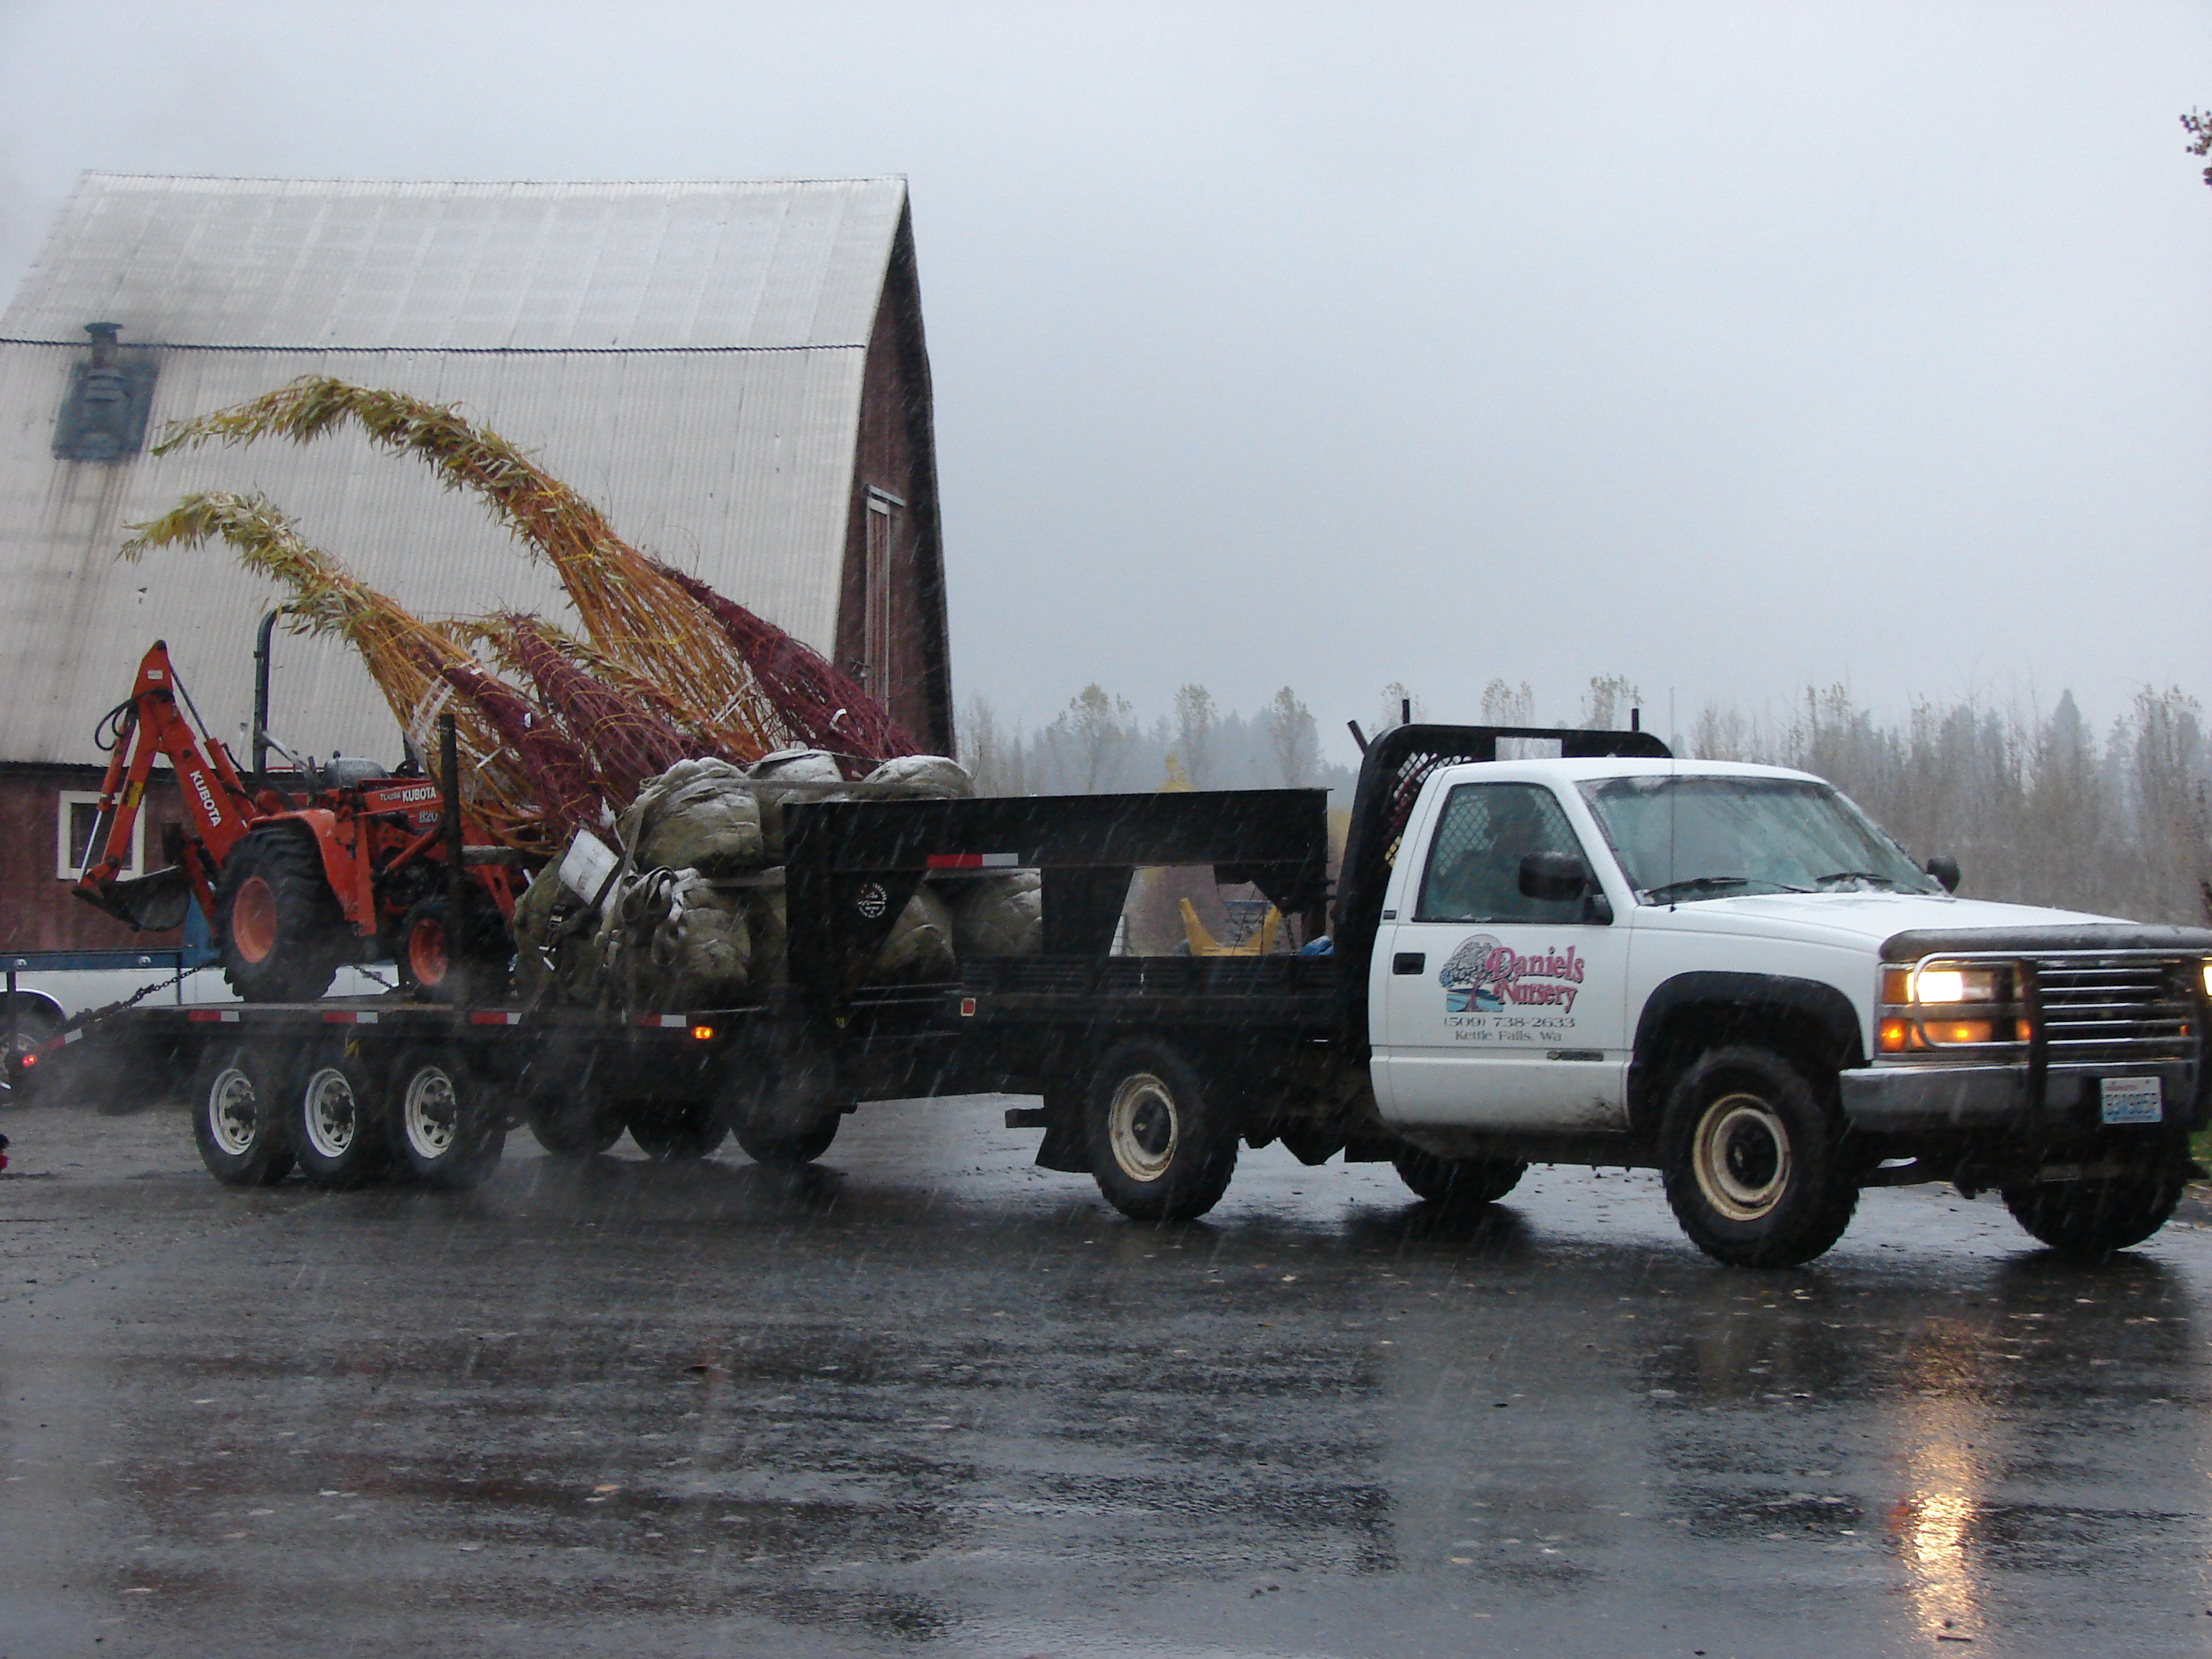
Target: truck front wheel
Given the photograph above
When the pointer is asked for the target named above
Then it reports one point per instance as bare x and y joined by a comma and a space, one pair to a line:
1754, 1166
2092, 1219
1161, 1144
1458, 1183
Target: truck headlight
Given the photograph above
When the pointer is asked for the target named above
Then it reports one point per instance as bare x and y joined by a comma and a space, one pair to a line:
1938, 1005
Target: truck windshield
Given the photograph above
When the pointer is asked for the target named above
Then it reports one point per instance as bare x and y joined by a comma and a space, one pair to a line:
1681, 838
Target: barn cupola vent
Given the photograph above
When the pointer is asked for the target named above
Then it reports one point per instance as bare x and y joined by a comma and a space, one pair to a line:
103, 417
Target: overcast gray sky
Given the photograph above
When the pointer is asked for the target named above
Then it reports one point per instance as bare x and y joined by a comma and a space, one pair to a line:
1732, 348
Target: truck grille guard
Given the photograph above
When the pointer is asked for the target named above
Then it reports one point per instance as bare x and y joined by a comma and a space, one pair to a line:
2106, 1006
2079, 1008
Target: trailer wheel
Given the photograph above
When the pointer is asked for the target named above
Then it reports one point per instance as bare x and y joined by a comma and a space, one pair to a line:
338, 1126
1458, 1183
573, 1127
445, 1126
1163, 1145
782, 1104
676, 1135
1753, 1164
278, 927
238, 1120
2093, 1218
785, 1149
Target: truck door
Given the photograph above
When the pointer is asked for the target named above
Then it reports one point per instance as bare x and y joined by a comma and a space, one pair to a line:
1495, 1009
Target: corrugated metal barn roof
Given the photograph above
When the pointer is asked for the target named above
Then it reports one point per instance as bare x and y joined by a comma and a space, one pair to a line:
689, 356
301, 262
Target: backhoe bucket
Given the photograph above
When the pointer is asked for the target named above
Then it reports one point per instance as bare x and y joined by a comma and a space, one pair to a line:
151, 903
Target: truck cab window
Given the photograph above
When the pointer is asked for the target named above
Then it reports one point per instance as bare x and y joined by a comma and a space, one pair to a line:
1473, 872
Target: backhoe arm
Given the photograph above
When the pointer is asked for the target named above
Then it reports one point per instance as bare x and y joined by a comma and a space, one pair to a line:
217, 808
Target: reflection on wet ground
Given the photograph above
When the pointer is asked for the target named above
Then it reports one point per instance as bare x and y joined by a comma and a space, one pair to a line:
927, 1397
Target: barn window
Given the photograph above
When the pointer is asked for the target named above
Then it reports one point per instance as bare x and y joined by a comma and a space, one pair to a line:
75, 817
877, 631
103, 418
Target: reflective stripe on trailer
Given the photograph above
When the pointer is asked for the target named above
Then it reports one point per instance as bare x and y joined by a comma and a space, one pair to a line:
494, 1016
347, 1017
213, 1016
665, 1022
975, 861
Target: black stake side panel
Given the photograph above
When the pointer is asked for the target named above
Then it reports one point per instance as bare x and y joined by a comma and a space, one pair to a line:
850, 866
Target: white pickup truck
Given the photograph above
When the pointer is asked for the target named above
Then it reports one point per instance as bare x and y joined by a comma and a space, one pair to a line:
1731, 973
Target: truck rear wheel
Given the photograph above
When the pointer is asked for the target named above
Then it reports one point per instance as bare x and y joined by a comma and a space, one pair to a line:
446, 1128
337, 1125
1163, 1145
278, 927
2092, 1219
1458, 1183
238, 1120
1754, 1167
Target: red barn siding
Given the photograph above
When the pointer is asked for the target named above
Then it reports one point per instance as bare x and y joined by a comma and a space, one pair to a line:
36, 912
896, 452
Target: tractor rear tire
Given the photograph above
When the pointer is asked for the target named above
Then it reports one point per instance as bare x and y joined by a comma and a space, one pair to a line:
278, 927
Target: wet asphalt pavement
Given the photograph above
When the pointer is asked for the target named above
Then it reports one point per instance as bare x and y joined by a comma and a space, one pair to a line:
927, 1398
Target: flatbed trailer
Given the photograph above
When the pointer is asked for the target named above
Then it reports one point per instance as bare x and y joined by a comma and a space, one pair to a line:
439, 1087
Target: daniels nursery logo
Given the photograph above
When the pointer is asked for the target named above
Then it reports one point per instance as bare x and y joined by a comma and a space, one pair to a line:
1483, 976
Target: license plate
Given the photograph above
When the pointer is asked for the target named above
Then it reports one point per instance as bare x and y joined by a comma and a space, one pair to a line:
2131, 1100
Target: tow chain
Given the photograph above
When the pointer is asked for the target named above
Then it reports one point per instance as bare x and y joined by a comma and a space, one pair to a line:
75, 1021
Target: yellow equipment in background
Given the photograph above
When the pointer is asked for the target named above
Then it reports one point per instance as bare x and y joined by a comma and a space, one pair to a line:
1203, 944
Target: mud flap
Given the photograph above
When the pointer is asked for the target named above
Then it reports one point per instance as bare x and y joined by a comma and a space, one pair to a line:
1062, 1146
154, 903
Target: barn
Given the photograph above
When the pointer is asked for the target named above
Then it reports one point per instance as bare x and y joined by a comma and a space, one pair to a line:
734, 372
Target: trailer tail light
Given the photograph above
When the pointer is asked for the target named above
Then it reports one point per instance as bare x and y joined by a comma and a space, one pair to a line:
702, 1033
967, 1007
25, 1062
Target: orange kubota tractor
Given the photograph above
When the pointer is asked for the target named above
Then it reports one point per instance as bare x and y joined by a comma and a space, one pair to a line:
355, 865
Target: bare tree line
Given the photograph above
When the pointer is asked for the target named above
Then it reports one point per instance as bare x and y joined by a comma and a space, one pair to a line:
1097, 743
2038, 807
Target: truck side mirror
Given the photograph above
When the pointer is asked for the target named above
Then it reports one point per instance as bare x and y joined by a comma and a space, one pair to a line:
1554, 876
1945, 869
